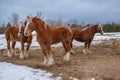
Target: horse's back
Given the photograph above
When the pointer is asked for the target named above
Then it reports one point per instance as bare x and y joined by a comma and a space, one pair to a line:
11, 28
76, 31
78, 34
62, 30
11, 32
61, 33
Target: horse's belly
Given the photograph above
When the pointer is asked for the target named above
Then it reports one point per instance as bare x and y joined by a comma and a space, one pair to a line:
80, 40
56, 41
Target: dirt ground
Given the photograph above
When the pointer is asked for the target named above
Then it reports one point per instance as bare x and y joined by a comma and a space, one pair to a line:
102, 64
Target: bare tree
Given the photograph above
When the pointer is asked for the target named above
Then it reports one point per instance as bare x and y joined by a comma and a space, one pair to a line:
39, 14
52, 22
14, 18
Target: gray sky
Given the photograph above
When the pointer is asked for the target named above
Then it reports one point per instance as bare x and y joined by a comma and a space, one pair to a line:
88, 11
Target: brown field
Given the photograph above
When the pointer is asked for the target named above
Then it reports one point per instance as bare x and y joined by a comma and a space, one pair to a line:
102, 64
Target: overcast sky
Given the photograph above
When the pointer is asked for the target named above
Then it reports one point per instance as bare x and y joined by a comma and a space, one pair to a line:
88, 11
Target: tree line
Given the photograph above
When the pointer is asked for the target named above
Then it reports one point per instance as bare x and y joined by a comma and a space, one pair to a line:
14, 21
109, 27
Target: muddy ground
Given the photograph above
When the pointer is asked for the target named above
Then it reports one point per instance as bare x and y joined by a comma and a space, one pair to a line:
102, 64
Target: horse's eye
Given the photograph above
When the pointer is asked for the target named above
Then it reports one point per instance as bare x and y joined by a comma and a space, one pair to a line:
30, 23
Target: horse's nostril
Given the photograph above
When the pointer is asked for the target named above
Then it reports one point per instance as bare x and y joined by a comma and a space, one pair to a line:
26, 34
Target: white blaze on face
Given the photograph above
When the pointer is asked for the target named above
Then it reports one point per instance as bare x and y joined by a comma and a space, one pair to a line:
100, 27
45, 26
20, 28
26, 27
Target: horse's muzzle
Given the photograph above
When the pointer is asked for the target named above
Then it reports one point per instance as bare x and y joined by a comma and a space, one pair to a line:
27, 34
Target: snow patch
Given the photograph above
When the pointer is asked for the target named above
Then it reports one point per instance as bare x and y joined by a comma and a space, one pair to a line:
10, 71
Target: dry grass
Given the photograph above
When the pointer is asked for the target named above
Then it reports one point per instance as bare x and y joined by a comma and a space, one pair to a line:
104, 58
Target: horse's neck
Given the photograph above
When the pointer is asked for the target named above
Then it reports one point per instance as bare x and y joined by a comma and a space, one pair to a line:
41, 29
93, 29
89, 30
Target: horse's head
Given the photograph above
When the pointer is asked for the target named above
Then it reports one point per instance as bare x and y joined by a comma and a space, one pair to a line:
34, 24
100, 29
21, 29
29, 26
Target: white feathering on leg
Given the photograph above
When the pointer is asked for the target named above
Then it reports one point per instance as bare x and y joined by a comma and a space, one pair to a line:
50, 61
26, 54
45, 61
21, 55
9, 54
72, 51
67, 56
84, 51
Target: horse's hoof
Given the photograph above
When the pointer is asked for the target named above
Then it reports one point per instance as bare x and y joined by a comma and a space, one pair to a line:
15, 53
49, 64
41, 64
67, 57
72, 52
26, 56
21, 57
10, 55
85, 52
89, 52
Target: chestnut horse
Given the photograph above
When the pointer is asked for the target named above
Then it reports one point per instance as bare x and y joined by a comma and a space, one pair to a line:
12, 35
46, 36
86, 35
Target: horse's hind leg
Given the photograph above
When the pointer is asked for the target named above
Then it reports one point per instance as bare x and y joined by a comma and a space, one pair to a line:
9, 54
13, 47
67, 48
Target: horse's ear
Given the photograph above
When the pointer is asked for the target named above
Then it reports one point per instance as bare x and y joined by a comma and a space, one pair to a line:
36, 17
28, 17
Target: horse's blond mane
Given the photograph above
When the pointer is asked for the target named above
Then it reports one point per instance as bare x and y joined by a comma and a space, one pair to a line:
40, 20
90, 26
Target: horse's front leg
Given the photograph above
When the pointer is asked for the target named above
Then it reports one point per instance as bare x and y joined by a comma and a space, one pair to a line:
45, 54
26, 54
50, 57
22, 51
9, 54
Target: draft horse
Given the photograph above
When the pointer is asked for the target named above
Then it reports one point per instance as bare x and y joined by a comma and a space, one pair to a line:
86, 35
13, 34
46, 36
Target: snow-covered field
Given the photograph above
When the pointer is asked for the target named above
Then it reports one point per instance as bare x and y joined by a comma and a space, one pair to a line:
10, 71
96, 39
